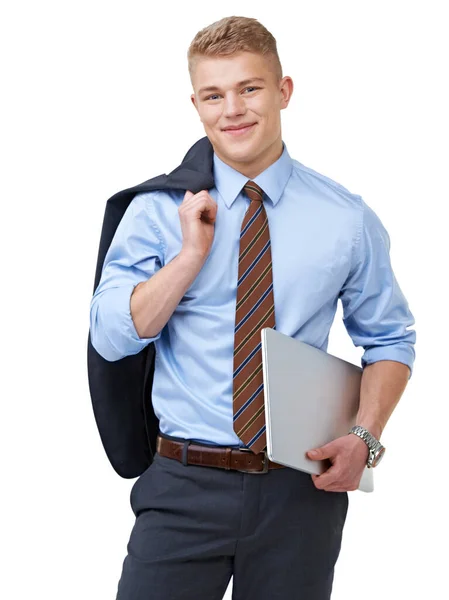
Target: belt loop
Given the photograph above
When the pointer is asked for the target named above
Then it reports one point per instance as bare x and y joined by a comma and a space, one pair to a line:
228, 458
185, 449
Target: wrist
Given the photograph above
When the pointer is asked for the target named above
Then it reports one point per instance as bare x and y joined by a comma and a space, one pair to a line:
357, 441
192, 257
376, 450
374, 428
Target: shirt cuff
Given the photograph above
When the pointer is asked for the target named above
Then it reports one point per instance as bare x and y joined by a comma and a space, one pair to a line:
398, 352
115, 332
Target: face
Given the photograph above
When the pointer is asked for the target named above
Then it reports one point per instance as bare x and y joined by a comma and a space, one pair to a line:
231, 100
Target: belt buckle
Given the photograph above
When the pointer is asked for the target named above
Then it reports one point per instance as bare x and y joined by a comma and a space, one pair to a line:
265, 463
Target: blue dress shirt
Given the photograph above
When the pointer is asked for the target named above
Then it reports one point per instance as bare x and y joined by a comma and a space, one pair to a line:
326, 244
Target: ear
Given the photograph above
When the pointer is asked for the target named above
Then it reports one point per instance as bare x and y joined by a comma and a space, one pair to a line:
286, 89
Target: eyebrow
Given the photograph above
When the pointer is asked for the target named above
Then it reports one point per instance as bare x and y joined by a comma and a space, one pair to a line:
213, 88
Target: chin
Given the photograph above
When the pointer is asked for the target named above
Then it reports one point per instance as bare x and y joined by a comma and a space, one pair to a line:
236, 149
242, 153
241, 146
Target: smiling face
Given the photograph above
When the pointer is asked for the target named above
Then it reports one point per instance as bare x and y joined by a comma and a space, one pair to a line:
236, 90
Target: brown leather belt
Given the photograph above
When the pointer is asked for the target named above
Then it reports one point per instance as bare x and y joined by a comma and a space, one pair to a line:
242, 459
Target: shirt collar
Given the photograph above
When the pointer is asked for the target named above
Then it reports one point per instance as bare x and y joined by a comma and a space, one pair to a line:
273, 180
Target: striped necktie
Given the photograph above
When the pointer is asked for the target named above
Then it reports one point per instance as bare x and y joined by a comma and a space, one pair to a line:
254, 310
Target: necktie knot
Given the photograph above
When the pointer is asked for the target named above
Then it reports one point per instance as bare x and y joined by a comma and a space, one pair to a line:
254, 191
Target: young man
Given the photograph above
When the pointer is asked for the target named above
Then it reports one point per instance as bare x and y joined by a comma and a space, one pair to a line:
272, 244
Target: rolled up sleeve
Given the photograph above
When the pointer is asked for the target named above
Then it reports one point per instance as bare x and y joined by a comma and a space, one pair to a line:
375, 312
135, 254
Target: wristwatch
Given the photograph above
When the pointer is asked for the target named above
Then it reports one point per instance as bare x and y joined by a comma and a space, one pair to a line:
376, 450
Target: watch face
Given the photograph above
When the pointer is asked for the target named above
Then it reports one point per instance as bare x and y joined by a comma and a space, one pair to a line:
378, 457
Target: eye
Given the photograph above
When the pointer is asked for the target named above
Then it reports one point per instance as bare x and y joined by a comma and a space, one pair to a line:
247, 88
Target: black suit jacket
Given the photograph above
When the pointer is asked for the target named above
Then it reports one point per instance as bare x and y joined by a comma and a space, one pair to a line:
121, 390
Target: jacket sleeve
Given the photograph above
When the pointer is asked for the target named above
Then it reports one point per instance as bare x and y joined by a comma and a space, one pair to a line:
375, 311
135, 254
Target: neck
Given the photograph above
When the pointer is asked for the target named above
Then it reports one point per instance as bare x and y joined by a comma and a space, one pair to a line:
253, 168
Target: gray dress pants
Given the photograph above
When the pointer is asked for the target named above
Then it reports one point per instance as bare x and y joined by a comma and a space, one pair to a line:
196, 526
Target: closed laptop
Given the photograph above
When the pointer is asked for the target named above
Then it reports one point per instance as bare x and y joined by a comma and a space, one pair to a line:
311, 398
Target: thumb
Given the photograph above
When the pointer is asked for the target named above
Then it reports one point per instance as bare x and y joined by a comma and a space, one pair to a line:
321, 453
188, 194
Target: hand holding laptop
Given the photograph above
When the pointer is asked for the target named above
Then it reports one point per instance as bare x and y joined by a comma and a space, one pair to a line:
348, 455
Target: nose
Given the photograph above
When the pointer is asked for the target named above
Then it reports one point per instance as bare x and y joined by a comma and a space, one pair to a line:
233, 105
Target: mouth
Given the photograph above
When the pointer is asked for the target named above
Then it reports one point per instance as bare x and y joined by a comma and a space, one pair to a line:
240, 131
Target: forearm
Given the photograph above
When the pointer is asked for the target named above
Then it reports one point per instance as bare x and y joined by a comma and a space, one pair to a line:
382, 385
154, 301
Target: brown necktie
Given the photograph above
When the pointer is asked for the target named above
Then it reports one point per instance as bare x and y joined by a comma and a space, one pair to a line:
254, 310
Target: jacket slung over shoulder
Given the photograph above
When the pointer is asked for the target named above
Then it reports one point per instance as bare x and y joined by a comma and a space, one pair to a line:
121, 390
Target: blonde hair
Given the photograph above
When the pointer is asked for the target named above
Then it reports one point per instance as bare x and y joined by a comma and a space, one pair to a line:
231, 35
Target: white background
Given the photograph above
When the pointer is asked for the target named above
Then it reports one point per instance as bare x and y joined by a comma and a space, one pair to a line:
96, 99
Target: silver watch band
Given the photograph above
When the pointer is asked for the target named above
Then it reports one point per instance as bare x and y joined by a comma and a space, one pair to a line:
366, 436
374, 445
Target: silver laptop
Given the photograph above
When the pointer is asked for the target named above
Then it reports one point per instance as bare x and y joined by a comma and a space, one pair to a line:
311, 398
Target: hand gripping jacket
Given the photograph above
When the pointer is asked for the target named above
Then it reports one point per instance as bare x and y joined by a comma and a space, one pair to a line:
121, 390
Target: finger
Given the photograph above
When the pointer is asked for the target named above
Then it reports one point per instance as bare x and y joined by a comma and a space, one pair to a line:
326, 479
332, 488
201, 200
194, 197
188, 195
211, 209
326, 451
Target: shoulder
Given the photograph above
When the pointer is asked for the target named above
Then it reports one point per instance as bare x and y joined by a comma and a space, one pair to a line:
159, 197
158, 204
323, 185
367, 222
373, 226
